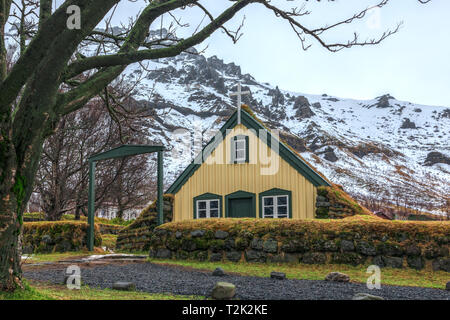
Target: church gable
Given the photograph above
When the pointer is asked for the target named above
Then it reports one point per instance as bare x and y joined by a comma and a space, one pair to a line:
249, 142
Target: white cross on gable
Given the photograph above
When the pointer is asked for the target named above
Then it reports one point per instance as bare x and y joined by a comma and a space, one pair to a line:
239, 94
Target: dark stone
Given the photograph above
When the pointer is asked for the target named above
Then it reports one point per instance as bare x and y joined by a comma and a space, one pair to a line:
408, 124
270, 246
277, 275
233, 256
47, 239
389, 249
163, 254
160, 232
275, 258
351, 258
330, 245
290, 258
393, 262
413, 250
416, 262
347, 245
255, 256
214, 257
432, 252
229, 244
303, 107
256, 244
383, 101
436, 157
178, 234
366, 248
447, 286
378, 261
314, 258
182, 255
124, 286
219, 234
197, 233
441, 264
201, 255
321, 199
188, 245
218, 272
337, 277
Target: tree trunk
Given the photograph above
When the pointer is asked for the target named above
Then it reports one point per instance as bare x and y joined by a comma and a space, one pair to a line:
11, 195
10, 271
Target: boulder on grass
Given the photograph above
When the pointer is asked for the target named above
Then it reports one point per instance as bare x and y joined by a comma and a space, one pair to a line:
124, 286
337, 277
366, 296
223, 291
218, 272
278, 275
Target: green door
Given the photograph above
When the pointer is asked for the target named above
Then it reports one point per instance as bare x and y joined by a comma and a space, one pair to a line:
241, 208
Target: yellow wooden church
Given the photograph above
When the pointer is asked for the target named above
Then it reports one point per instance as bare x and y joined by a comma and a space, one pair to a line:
246, 171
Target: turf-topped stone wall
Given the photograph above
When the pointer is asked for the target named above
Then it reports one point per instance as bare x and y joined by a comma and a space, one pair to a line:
355, 240
334, 203
109, 228
57, 236
136, 236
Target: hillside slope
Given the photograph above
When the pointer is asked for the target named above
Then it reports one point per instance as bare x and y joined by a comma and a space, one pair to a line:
381, 150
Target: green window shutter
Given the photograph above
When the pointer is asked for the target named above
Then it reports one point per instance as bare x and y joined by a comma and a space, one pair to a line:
247, 150
233, 150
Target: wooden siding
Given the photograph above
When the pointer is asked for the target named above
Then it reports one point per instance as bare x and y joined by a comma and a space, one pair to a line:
219, 176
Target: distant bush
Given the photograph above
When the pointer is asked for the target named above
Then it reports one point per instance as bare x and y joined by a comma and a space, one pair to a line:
57, 236
33, 216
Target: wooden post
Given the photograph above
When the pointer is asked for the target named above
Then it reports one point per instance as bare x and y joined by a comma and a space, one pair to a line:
160, 201
91, 205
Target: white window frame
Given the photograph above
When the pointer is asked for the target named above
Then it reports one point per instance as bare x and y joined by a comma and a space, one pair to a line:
236, 140
275, 206
208, 208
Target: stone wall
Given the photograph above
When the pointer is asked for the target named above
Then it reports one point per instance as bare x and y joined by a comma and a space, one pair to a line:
351, 241
136, 236
56, 236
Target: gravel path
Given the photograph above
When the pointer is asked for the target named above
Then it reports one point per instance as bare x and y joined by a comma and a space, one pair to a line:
156, 278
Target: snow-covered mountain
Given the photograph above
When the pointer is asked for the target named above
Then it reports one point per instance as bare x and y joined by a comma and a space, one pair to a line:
381, 149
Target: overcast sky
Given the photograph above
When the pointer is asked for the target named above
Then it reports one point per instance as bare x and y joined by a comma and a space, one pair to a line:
412, 65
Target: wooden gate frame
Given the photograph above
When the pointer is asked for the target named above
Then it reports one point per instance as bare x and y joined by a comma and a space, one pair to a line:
119, 152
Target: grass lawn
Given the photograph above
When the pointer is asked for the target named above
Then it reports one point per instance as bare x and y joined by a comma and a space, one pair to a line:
44, 291
389, 276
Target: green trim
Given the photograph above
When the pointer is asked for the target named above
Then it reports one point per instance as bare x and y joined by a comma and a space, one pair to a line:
248, 121
233, 149
208, 196
276, 192
237, 195
247, 150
